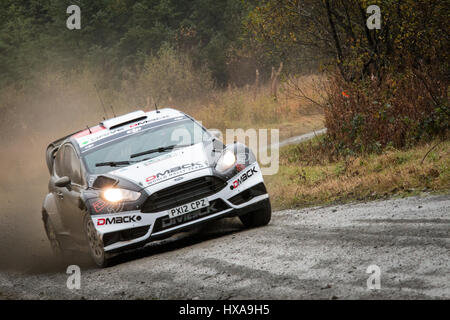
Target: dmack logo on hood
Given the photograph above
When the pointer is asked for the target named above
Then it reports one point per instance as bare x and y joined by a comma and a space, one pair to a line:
160, 176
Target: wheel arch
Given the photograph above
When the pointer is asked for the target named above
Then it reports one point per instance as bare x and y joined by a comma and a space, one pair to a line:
50, 211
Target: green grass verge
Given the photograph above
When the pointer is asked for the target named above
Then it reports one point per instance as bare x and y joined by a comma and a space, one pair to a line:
308, 177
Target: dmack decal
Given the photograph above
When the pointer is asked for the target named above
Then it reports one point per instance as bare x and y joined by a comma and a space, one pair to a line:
175, 170
140, 123
99, 205
248, 174
168, 222
116, 220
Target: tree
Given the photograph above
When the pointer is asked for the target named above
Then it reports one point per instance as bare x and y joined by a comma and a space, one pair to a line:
116, 36
395, 79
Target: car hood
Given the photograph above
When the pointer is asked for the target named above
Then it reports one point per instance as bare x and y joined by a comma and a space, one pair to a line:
166, 166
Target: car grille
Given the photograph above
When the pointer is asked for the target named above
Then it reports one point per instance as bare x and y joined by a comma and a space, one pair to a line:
183, 193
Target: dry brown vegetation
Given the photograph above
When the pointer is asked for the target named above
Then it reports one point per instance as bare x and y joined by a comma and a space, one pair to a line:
400, 110
251, 107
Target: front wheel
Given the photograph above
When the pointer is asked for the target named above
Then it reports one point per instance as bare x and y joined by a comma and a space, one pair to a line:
257, 218
98, 254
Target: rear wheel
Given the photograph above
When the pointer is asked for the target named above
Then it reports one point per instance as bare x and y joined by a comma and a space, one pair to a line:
98, 254
257, 218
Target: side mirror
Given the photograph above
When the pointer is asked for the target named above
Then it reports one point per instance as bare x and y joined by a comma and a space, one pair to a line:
216, 133
62, 182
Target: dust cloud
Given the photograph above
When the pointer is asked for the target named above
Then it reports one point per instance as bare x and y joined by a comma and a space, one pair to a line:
28, 123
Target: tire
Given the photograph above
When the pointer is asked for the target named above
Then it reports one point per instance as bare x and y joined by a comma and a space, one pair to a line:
95, 243
58, 250
257, 218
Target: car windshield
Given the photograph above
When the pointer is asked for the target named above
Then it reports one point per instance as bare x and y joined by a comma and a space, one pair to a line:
151, 142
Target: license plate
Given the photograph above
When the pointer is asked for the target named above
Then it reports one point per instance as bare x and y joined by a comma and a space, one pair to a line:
188, 207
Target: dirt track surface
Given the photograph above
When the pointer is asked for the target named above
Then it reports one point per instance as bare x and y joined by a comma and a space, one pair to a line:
315, 253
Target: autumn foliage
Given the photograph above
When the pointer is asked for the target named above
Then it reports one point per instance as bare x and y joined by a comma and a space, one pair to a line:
387, 86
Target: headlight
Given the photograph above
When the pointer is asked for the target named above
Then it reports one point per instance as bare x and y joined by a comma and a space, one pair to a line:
226, 161
116, 195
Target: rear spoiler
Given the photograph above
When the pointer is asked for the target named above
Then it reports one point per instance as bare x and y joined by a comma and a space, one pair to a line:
123, 120
52, 148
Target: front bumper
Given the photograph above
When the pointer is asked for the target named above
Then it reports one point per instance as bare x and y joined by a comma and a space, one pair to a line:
126, 230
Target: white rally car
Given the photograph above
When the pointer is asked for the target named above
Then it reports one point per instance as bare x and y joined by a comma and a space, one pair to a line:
145, 176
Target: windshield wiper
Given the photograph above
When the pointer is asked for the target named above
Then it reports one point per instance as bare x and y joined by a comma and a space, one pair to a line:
160, 149
113, 163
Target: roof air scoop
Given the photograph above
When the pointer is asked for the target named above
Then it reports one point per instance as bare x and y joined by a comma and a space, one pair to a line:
123, 120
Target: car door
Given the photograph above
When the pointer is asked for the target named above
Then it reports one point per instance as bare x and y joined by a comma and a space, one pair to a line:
68, 198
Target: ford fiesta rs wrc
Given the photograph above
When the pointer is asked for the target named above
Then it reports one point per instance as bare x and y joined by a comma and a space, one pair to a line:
144, 176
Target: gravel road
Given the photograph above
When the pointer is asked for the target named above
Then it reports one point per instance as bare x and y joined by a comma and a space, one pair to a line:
314, 253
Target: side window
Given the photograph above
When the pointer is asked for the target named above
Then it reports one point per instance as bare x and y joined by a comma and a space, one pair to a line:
73, 165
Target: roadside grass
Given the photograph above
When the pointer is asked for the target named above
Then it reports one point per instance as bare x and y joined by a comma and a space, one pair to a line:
307, 179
